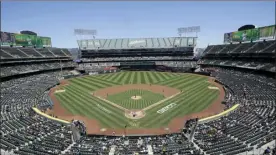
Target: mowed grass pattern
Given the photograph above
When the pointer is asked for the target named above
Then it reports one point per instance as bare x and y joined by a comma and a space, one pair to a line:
78, 100
124, 99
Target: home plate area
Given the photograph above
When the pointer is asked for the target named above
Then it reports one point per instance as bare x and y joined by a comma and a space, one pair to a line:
135, 114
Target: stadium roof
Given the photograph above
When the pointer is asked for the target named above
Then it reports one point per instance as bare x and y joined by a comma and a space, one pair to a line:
134, 43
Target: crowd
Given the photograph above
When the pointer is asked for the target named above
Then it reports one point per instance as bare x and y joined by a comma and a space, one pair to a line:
167, 144
26, 68
18, 95
249, 127
23, 131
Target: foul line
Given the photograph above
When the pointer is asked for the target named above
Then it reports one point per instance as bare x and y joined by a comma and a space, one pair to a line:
147, 108
160, 102
114, 104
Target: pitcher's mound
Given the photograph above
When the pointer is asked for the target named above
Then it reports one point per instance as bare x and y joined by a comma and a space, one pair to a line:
136, 97
135, 114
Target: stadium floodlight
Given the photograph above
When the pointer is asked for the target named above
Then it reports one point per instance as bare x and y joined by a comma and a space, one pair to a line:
182, 30
83, 35
188, 30
85, 32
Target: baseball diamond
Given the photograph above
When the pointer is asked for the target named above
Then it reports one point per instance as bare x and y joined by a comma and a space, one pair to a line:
166, 100
135, 99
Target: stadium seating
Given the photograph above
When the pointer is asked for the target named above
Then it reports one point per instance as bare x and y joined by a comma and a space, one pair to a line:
13, 52
173, 143
23, 131
19, 69
253, 123
230, 49
17, 52
58, 52
31, 52
101, 66
257, 56
136, 43
46, 52
251, 126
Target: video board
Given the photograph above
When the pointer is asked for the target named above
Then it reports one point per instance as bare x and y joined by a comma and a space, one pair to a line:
14, 39
261, 33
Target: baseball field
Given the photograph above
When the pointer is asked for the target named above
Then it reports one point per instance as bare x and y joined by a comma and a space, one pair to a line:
137, 100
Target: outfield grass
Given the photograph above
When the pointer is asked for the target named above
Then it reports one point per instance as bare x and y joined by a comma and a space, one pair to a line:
78, 100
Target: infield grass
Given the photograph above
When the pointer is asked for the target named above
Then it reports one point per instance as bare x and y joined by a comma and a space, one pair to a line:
124, 98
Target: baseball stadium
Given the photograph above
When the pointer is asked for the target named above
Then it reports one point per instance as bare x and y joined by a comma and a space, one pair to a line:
143, 95
131, 95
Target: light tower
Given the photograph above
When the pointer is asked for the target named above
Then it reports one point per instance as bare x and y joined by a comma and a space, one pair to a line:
83, 36
188, 31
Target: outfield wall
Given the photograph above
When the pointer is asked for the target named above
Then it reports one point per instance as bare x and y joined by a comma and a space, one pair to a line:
215, 117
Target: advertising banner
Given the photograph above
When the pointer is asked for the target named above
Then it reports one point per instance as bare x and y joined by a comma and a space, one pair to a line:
39, 43
267, 32
237, 36
25, 40
46, 42
7, 38
254, 34
14, 39
247, 35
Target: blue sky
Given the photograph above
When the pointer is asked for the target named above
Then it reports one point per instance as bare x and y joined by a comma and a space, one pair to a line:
133, 19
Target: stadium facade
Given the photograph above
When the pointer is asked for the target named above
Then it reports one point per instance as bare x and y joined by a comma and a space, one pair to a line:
173, 53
